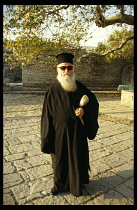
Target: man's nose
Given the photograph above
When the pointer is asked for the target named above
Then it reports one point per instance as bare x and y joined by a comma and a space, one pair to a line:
66, 70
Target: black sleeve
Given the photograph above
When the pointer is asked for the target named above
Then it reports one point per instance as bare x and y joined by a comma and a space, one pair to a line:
47, 128
91, 116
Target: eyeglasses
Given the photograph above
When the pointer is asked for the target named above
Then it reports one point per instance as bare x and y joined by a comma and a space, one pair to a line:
65, 67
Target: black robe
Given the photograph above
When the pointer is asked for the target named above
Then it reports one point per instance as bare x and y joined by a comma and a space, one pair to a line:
65, 137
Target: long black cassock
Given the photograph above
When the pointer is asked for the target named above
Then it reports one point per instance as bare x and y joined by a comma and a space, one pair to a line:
65, 137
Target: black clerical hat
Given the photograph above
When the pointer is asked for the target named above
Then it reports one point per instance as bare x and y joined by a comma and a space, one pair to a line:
65, 57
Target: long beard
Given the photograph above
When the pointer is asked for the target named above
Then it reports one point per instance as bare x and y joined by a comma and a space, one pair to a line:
67, 82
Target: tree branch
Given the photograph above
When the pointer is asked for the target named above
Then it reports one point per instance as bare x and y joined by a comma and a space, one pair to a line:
121, 18
118, 48
56, 10
122, 10
87, 56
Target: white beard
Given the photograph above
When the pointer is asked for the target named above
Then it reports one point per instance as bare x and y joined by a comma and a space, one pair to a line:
67, 82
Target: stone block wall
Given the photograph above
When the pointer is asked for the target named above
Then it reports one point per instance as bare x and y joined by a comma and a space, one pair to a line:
99, 75
127, 76
94, 73
127, 98
13, 75
37, 77
96, 77
10, 75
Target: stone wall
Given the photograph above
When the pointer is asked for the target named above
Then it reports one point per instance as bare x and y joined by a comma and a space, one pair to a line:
36, 77
99, 76
95, 76
93, 72
127, 98
127, 76
14, 75
10, 75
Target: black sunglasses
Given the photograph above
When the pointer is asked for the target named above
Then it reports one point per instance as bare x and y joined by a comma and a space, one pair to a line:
65, 67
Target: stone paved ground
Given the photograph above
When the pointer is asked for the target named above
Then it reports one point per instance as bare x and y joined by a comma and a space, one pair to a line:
28, 175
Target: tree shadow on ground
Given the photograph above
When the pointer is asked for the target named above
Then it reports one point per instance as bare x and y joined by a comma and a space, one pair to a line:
103, 184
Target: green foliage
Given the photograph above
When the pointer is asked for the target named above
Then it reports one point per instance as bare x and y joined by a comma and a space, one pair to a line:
50, 19
32, 49
43, 30
101, 48
114, 41
125, 87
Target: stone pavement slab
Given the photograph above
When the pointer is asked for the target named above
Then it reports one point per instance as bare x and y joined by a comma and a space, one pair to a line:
28, 174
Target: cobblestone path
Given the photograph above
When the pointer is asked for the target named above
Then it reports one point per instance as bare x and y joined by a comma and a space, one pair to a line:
28, 175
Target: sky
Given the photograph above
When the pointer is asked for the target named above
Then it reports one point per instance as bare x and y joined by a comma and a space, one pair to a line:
98, 34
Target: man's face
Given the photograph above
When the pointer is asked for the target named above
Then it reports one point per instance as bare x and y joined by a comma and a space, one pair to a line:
65, 72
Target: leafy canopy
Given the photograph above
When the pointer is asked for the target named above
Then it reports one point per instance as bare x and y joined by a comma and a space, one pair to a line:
40, 31
113, 41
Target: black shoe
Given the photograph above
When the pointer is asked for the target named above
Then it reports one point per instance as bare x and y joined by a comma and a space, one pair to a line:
54, 192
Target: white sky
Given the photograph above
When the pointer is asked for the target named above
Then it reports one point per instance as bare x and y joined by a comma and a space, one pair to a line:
99, 34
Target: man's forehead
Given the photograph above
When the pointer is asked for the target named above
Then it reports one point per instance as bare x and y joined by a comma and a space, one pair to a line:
65, 64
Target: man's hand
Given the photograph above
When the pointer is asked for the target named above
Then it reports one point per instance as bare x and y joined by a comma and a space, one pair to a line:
79, 112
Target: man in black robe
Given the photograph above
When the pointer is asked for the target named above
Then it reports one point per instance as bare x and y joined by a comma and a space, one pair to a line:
65, 127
